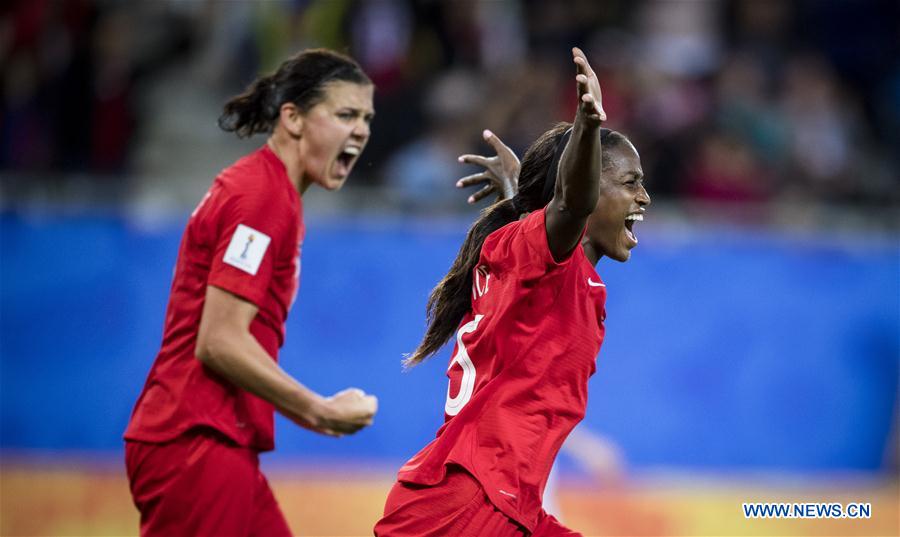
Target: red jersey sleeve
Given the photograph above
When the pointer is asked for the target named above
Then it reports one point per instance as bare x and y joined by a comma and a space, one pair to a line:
250, 230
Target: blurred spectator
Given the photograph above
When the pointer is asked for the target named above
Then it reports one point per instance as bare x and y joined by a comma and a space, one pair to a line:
523, 102
681, 38
502, 27
23, 142
745, 105
112, 117
690, 82
382, 32
422, 174
821, 128
725, 170
69, 91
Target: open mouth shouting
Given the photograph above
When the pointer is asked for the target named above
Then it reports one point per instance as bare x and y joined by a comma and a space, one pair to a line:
345, 160
629, 225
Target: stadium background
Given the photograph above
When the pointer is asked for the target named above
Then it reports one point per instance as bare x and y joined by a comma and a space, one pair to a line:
753, 341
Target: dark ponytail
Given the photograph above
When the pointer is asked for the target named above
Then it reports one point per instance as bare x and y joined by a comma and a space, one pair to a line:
301, 80
450, 299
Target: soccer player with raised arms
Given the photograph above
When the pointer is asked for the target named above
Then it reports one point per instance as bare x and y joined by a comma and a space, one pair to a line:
526, 308
207, 408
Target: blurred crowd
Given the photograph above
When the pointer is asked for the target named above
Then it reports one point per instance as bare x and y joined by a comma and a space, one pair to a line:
739, 102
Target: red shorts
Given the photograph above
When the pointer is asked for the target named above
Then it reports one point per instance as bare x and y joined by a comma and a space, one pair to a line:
457, 506
199, 484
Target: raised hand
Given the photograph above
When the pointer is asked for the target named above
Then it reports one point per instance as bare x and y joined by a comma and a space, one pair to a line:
590, 99
577, 188
501, 173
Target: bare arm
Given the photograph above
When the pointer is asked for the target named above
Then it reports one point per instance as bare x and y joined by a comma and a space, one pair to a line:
225, 345
578, 178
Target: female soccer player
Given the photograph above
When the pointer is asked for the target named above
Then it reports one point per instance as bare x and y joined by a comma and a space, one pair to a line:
597, 455
529, 308
206, 410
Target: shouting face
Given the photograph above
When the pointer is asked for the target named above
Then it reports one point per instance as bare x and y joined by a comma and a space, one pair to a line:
335, 132
622, 203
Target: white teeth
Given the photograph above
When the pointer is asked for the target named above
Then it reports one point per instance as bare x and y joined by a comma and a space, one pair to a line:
352, 150
636, 217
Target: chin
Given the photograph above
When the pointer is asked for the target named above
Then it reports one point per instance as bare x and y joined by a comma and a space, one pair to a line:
622, 256
333, 184
619, 253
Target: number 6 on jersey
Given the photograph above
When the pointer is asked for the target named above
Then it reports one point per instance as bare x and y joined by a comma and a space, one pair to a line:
467, 382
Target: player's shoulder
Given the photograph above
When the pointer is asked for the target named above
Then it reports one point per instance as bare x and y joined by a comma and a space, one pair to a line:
256, 180
515, 234
504, 250
245, 173
523, 244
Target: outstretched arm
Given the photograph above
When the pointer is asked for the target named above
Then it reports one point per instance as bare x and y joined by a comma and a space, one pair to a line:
578, 177
501, 172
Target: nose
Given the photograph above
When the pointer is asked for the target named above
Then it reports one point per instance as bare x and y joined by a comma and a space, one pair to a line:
361, 129
643, 198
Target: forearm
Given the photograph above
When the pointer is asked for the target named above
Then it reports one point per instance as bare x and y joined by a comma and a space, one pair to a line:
578, 181
241, 360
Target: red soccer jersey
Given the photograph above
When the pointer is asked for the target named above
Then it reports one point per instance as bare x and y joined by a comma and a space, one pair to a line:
520, 368
245, 238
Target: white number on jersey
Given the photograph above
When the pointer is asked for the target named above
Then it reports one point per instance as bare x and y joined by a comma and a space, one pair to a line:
481, 280
467, 382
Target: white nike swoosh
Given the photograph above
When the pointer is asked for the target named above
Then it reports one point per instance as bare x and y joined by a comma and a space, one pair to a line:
592, 283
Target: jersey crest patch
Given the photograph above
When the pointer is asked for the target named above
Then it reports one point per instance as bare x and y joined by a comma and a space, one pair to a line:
246, 249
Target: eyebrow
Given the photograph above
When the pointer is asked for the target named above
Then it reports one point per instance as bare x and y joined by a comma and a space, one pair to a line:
358, 111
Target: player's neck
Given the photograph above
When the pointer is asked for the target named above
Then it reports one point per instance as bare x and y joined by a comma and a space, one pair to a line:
289, 158
590, 252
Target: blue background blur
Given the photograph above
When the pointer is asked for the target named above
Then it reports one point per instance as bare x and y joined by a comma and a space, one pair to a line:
726, 348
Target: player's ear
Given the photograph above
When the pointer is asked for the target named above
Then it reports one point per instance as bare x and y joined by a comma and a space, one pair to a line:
291, 118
